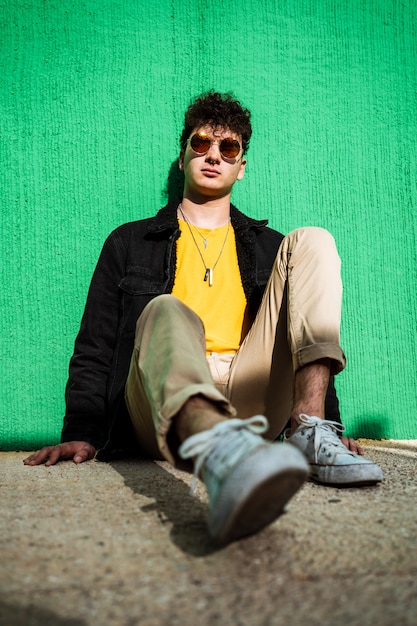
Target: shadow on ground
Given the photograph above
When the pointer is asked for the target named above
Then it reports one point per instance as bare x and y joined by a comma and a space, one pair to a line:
173, 503
32, 615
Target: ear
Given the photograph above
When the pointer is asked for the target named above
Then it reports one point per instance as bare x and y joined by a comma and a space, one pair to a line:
181, 160
241, 171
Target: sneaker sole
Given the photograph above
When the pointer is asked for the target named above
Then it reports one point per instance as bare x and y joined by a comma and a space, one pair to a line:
255, 494
361, 475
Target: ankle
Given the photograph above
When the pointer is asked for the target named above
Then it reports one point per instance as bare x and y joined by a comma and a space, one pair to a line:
197, 414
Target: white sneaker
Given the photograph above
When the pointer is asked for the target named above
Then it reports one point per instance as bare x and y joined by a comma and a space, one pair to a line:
248, 480
330, 461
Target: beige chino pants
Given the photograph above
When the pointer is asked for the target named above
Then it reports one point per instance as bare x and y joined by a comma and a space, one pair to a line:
298, 323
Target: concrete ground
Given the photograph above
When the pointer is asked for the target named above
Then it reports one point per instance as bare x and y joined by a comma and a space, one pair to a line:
124, 544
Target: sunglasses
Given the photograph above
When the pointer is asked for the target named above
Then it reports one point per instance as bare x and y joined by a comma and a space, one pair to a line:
229, 148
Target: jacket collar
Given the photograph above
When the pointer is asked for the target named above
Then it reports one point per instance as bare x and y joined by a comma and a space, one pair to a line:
166, 219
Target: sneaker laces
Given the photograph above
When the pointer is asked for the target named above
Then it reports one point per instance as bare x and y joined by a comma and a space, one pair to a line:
325, 432
202, 444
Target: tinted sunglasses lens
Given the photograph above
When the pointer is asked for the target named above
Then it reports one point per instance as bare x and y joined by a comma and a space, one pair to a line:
229, 148
199, 143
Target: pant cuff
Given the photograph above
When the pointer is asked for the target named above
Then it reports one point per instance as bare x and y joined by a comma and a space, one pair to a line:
318, 351
171, 408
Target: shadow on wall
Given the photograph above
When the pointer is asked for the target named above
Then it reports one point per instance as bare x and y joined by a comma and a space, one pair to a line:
12, 615
175, 182
370, 426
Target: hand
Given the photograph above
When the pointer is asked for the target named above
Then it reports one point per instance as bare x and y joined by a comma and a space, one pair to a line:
352, 445
78, 451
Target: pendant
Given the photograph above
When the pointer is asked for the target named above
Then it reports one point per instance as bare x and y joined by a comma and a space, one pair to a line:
205, 243
209, 275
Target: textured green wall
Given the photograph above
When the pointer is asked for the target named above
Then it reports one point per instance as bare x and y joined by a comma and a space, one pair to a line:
92, 98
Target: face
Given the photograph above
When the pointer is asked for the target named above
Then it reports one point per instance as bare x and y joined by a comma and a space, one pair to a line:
211, 174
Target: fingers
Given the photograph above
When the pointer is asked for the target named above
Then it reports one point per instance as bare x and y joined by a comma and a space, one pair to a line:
56, 453
352, 445
48, 455
85, 453
359, 449
38, 457
78, 451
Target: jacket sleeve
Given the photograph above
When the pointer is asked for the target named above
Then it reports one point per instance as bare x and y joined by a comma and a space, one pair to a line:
86, 391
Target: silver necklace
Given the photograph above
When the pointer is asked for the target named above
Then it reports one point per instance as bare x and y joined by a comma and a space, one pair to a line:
204, 238
208, 275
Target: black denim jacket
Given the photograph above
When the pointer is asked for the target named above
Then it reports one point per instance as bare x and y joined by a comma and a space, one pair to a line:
137, 263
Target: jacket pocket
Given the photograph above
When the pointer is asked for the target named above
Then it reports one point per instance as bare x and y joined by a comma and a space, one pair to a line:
140, 281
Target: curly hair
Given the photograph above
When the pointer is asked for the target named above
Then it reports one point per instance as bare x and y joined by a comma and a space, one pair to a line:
217, 110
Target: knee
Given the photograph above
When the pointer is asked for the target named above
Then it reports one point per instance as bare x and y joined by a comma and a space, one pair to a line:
164, 300
314, 239
164, 308
312, 234
162, 303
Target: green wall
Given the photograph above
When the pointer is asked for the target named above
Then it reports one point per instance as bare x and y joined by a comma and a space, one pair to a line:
92, 98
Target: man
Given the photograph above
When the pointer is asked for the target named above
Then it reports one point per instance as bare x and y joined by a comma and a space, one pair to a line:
208, 330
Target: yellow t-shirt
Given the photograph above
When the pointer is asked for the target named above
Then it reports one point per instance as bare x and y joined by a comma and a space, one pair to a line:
222, 305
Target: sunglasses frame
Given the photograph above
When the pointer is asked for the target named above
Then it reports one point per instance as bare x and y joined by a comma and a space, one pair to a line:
210, 141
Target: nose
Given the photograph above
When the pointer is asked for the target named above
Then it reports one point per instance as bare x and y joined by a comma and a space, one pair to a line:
213, 154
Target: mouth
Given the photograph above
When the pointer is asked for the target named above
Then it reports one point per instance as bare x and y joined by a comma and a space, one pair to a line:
211, 173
